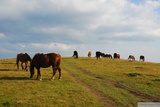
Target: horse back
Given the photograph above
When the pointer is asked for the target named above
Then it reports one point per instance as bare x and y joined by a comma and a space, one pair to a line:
55, 58
23, 57
46, 60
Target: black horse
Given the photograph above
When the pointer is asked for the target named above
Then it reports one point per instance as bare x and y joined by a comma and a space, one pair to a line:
23, 58
98, 54
142, 58
44, 61
75, 54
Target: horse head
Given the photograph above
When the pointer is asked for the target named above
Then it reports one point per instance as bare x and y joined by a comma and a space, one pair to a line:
31, 70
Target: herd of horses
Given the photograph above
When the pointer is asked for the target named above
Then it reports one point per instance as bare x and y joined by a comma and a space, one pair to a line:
101, 54
52, 59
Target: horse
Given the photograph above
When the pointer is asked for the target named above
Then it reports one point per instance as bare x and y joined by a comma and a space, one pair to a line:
46, 60
107, 55
142, 58
23, 58
131, 57
75, 54
98, 54
116, 56
89, 54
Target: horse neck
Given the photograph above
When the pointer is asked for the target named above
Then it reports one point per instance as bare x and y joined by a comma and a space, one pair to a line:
30, 58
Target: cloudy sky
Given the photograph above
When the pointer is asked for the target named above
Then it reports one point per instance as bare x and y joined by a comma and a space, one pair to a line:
62, 26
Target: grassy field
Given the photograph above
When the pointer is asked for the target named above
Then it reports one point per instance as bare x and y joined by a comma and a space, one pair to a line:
86, 82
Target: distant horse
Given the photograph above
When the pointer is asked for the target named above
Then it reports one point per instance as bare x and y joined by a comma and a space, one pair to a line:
131, 57
98, 54
107, 55
89, 54
23, 58
142, 58
44, 61
75, 54
116, 56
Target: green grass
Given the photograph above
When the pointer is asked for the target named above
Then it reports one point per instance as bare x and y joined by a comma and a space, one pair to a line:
85, 82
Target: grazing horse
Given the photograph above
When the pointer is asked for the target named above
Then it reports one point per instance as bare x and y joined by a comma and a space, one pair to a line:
98, 54
75, 54
23, 58
44, 61
107, 55
89, 54
142, 58
116, 56
131, 57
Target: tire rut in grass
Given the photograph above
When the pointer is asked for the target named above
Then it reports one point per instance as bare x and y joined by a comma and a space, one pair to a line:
98, 95
118, 85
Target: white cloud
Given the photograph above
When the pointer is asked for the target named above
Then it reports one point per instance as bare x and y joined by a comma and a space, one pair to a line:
2, 35
3, 50
52, 46
21, 46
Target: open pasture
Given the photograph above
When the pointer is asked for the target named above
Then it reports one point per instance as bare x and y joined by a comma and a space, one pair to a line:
86, 82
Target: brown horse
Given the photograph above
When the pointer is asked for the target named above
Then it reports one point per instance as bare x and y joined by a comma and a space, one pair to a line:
44, 61
131, 57
89, 54
23, 58
118, 56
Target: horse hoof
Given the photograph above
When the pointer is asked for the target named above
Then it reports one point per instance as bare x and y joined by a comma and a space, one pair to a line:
60, 78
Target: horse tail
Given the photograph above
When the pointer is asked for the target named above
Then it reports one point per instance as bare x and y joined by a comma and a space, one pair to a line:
58, 60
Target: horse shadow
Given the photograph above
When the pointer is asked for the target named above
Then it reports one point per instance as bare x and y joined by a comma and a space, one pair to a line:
14, 78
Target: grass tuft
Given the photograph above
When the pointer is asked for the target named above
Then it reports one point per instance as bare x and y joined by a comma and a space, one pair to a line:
134, 74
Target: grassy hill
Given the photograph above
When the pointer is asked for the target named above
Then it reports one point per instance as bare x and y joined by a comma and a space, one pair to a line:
86, 82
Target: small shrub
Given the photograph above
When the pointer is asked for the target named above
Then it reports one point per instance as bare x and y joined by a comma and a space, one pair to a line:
134, 74
7, 103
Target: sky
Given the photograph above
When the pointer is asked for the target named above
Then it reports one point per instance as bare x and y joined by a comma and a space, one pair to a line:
127, 27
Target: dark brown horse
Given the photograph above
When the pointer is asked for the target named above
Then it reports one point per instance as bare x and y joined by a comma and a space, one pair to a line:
116, 56
131, 57
89, 54
44, 61
23, 58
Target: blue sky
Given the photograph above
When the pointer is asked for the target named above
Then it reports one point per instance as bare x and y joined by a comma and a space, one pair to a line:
62, 26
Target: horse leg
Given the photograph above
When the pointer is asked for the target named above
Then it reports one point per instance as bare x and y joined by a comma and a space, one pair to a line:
38, 73
54, 72
18, 65
22, 65
26, 63
59, 70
